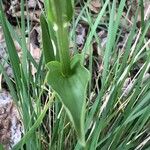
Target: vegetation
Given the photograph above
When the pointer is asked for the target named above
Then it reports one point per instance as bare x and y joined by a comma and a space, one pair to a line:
55, 104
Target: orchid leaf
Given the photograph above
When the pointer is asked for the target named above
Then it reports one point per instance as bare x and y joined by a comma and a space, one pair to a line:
54, 8
72, 91
46, 39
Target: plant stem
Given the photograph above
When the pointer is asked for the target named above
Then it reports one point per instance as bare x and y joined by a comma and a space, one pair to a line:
63, 45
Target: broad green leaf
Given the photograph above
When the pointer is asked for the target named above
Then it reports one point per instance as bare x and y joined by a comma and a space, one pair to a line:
59, 11
72, 92
46, 40
69, 10
50, 14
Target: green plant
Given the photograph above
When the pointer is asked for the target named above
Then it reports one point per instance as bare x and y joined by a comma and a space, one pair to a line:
116, 118
67, 76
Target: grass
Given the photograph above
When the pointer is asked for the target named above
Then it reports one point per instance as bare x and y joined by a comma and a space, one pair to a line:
115, 118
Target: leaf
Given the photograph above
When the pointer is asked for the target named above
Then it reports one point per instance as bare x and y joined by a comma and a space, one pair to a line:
46, 39
69, 10
72, 92
36, 124
58, 11
50, 11
13, 56
1, 147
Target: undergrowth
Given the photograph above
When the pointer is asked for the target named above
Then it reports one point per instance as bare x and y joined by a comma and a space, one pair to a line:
116, 117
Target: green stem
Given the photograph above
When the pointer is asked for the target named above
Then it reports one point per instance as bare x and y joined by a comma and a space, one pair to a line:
59, 16
63, 46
